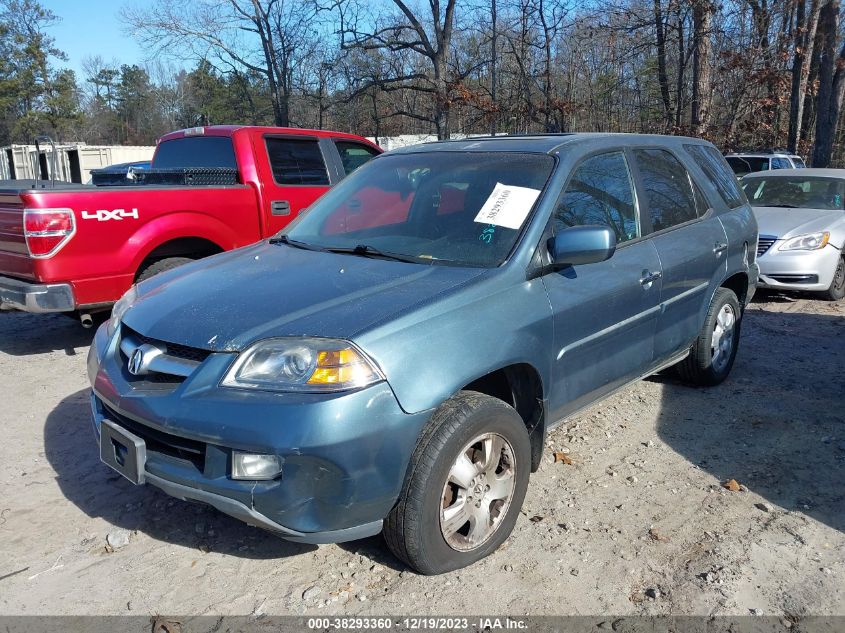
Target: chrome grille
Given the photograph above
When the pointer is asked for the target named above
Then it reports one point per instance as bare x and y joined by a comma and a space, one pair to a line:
158, 364
764, 243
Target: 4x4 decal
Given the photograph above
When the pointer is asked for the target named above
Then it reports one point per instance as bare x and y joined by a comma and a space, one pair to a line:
103, 215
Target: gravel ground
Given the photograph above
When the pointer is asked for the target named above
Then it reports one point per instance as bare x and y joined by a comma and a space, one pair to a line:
639, 523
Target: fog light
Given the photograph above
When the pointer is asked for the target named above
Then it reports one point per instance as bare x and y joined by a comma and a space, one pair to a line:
251, 466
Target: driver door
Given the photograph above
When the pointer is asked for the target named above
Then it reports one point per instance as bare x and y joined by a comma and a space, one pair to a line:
605, 314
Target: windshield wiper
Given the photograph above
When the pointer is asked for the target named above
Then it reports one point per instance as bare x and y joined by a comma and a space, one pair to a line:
365, 250
284, 239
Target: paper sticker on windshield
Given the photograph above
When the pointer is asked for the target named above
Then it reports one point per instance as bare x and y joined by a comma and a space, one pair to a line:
507, 206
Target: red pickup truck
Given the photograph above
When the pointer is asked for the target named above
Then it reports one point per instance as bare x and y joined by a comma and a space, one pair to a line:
79, 248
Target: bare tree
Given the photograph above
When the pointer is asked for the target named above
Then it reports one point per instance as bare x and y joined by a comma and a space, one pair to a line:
831, 84
268, 37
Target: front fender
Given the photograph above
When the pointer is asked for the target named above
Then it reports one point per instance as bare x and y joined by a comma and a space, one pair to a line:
435, 351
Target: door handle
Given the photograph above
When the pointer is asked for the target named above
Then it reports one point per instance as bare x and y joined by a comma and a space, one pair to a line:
648, 277
280, 207
720, 247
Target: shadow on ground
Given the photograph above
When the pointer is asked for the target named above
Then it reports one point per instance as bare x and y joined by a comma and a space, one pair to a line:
788, 445
72, 451
23, 334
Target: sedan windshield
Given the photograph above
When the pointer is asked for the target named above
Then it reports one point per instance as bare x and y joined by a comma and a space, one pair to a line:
795, 192
460, 208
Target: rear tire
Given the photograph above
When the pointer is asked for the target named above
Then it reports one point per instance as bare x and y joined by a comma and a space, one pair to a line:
160, 266
837, 286
464, 487
712, 355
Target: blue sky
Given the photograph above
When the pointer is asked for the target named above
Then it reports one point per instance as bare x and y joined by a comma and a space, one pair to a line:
91, 27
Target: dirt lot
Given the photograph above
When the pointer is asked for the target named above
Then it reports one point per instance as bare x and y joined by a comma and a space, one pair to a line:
638, 524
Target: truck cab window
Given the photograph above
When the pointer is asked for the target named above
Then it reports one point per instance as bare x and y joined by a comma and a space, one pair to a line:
297, 162
353, 155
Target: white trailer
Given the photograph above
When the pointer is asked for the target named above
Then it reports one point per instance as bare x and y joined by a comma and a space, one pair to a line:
74, 160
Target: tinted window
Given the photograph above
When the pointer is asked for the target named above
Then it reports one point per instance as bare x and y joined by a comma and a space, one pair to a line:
798, 162
297, 162
353, 155
196, 151
747, 164
713, 164
459, 208
600, 192
667, 187
781, 163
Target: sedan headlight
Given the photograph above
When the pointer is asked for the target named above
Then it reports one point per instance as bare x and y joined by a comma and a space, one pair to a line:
809, 242
120, 308
302, 365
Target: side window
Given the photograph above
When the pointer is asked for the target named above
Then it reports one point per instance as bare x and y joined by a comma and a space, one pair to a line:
353, 154
600, 192
717, 170
781, 163
667, 187
297, 161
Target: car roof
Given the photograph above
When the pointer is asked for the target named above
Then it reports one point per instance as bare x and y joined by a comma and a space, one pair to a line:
799, 173
760, 155
230, 130
545, 143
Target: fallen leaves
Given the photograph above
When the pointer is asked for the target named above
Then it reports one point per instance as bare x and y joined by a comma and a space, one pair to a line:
732, 485
657, 536
560, 456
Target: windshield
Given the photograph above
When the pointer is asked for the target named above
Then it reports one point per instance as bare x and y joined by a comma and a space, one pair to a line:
747, 164
461, 208
795, 192
195, 151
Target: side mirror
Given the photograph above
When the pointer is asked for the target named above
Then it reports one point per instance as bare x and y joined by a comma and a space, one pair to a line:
582, 245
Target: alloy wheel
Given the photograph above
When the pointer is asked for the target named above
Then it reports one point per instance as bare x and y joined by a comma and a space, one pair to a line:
477, 492
721, 343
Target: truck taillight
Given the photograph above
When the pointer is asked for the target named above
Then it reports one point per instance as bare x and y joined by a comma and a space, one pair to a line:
47, 230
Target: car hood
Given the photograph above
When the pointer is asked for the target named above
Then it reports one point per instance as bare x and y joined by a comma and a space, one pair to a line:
227, 302
784, 223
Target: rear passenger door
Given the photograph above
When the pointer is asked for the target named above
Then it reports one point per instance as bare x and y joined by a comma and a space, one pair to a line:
605, 313
690, 242
294, 175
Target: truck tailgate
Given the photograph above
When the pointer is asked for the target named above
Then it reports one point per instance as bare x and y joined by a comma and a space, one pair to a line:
14, 256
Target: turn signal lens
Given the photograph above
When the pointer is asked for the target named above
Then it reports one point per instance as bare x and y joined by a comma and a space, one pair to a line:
47, 230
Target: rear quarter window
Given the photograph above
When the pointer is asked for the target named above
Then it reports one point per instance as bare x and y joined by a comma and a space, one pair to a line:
720, 175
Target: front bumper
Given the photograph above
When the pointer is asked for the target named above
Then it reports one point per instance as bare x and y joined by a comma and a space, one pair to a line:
798, 270
344, 455
21, 295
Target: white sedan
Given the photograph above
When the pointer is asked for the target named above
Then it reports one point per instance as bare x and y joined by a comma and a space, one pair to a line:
801, 218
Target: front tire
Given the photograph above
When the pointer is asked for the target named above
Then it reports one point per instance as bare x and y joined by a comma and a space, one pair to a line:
465, 485
837, 286
712, 355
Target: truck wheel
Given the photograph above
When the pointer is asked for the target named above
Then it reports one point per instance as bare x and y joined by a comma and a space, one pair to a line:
160, 266
464, 487
837, 286
712, 355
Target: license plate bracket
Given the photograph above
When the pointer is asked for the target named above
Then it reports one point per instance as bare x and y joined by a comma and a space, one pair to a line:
123, 451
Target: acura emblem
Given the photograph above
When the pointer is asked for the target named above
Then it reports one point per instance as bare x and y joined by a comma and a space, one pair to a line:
136, 362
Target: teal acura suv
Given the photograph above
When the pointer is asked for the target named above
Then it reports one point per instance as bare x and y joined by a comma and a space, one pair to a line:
393, 360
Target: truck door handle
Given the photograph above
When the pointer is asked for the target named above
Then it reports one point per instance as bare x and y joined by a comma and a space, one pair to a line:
648, 277
280, 207
720, 247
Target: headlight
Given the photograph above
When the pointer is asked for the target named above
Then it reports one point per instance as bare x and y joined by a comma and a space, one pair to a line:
120, 308
809, 242
303, 365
